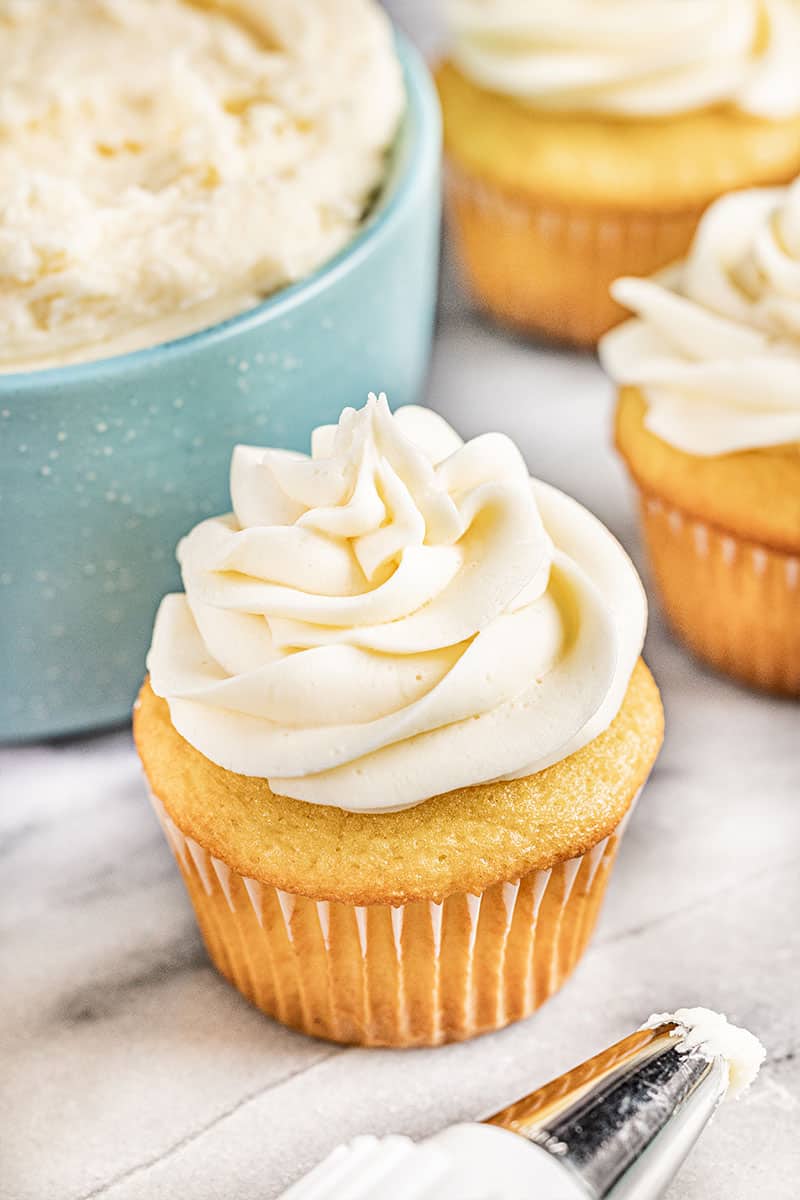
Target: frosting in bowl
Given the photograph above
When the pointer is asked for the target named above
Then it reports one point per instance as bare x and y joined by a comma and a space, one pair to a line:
632, 58
715, 347
398, 615
165, 164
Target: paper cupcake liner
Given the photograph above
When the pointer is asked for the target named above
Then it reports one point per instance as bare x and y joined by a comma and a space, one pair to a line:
735, 603
421, 973
547, 268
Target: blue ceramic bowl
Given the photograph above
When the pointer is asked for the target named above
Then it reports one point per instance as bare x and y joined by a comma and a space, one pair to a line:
105, 465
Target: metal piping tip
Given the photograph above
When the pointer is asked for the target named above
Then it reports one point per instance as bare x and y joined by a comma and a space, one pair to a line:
617, 1127
623, 1122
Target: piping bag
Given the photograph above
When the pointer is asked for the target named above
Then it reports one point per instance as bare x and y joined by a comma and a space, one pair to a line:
617, 1127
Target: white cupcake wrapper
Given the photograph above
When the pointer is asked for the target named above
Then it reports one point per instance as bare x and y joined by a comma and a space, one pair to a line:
734, 602
733, 549
545, 264
291, 955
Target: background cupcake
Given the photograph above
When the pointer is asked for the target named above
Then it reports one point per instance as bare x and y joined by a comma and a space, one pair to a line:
708, 422
586, 138
394, 727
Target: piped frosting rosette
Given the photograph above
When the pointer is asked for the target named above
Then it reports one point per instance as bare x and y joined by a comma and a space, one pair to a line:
715, 346
634, 59
398, 615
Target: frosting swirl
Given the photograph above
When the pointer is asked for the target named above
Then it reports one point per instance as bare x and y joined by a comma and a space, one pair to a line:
716, 347
398, 615
631, 58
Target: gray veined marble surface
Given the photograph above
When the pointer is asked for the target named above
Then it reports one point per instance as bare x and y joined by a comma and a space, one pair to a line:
130, 1070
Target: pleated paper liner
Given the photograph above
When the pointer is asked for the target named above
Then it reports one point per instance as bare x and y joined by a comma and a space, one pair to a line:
735, 603
414, 975
546, 268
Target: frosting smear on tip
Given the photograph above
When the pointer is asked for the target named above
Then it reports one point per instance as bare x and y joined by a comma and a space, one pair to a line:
741, 1050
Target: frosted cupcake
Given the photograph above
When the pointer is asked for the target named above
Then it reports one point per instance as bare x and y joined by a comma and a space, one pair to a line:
585, 139
708, 422
394, 727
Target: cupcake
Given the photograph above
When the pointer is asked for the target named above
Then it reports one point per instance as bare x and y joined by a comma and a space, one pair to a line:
394, 728
708, 422
585, 139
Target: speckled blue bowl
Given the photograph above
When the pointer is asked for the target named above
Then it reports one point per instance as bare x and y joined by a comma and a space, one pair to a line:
105, 465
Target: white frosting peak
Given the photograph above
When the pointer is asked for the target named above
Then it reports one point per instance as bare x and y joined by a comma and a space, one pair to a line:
631, 58
741, 1050
396, 616
716, 344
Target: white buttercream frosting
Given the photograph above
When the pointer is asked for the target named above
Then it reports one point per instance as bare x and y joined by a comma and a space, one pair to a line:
634, 58
165, 164
740, 1049
398, 615
715, 346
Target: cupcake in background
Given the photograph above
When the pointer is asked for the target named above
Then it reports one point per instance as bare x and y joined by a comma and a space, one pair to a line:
394, 729
586, 137
708, 422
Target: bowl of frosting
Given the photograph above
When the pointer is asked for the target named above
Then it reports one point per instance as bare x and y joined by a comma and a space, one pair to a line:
217, 223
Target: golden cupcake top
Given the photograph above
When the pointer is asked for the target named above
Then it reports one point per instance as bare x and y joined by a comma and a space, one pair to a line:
754, 494
671, 165
465, 840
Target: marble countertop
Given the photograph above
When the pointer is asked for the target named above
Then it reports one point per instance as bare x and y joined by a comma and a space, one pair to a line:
130, 1070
